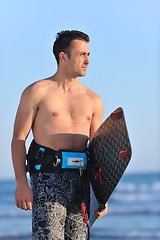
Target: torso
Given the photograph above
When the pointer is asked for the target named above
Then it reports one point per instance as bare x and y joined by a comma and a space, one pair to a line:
63, 119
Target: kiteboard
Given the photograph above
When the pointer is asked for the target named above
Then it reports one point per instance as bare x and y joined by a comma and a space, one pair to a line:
109, 155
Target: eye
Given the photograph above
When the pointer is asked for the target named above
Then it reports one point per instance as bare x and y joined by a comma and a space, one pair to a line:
84, 54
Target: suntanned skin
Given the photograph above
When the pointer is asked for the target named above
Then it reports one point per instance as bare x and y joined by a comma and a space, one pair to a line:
61, 112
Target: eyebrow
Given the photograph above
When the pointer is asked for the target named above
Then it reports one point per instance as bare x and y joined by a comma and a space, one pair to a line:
84, 53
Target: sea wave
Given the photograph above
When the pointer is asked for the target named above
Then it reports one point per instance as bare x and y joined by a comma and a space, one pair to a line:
139, 197
138, 187
118, 210
143, 192
96, 233
113, 210
125, 235
15, 235
15, 214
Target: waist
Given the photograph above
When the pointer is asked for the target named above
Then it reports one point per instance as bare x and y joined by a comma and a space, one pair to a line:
69, 141
44, 159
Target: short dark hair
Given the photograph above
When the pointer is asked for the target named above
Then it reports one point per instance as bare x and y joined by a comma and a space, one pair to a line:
64, 39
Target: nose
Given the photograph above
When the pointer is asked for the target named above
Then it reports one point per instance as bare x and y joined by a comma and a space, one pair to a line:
87, 61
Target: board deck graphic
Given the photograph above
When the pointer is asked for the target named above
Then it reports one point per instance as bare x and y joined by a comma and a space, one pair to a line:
110, 152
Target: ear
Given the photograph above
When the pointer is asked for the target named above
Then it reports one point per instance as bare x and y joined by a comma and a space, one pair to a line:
62, 57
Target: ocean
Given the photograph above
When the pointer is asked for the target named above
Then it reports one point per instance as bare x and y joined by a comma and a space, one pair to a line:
134, 211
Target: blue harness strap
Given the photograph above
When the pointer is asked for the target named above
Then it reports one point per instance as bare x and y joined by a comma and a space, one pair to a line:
74, 160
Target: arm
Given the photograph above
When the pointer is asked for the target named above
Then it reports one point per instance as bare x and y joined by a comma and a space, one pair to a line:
95, 124
97, 116
24, 119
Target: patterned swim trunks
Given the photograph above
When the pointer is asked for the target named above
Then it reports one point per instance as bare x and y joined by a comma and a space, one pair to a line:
56, 213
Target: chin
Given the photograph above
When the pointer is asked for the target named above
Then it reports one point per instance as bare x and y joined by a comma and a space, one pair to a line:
82, 74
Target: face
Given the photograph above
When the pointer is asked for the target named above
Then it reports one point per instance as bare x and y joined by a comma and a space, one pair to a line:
78, 59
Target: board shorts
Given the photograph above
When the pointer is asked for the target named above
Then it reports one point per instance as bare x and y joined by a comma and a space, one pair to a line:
56, 213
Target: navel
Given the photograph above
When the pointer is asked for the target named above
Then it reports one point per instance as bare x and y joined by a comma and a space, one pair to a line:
88, 118
54, 114
71, 111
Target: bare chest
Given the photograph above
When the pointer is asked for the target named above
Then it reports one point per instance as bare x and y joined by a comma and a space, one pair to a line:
72, 106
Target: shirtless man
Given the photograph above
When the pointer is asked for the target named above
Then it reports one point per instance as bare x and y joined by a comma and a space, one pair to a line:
62, 114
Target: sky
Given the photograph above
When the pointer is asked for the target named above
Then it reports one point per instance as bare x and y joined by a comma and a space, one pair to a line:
124, 69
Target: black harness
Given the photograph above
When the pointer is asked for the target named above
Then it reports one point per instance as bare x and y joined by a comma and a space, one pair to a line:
44, 159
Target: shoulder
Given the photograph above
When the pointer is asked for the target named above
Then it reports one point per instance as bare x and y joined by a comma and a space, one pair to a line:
37, 89
95, 98
40, 85
97, 103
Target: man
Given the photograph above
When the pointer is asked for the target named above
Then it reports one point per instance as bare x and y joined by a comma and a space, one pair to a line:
62, 114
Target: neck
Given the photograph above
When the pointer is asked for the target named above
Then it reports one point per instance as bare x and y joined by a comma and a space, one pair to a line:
65, 82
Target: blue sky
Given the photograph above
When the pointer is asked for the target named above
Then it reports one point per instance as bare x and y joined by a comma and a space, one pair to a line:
124, 69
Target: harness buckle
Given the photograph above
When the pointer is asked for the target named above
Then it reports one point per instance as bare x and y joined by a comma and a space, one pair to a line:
81, 164
57, 161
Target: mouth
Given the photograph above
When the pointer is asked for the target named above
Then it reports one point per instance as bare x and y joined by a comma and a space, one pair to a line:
84, 68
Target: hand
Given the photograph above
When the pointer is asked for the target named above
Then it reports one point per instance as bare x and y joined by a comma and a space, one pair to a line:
24, 197
102, 213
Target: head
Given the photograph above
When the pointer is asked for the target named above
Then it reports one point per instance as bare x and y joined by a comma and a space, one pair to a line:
64, 39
